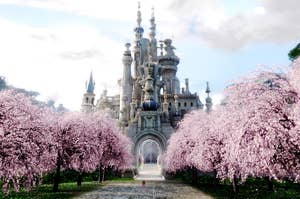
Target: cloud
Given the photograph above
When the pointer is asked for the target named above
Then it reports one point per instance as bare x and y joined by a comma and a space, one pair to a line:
42, 59
208, 21
271, 21
77, 55
101, 9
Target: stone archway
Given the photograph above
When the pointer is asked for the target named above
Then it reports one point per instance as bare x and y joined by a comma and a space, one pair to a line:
150, 152
149, 147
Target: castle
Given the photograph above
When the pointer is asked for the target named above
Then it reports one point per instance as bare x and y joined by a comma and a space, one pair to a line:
150, 103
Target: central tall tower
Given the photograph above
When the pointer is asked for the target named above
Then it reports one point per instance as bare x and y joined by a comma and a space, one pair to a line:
151, 103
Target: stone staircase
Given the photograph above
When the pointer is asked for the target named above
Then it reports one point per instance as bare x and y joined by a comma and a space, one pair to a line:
150, 172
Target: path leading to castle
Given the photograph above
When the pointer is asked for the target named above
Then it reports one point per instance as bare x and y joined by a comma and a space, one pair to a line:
151, 190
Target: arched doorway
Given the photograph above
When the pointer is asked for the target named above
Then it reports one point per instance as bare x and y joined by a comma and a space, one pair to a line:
148, 148
150, 152
148, 160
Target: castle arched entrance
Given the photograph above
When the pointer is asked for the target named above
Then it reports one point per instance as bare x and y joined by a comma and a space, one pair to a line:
149, 152
149, 164
148, 148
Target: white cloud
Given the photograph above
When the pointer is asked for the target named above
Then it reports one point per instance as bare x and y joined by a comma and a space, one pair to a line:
56, 61
272, 21
102, 9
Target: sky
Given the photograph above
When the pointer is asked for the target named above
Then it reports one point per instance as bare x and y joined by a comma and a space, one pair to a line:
51, 46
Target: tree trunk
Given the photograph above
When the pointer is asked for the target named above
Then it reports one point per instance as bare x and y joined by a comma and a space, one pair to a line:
270, 184
235, 185
79, 179
216, 180
194, 174
57, 174
101, 174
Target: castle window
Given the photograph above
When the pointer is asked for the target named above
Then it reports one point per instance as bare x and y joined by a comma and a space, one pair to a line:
86, 100
170, 104
92, 100
192, 104
179, 104
184, 104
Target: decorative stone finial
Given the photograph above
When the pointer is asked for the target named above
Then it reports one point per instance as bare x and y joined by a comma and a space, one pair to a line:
127, 45
168, 47
207, 88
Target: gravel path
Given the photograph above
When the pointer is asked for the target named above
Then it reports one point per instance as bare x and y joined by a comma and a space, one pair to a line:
135, 190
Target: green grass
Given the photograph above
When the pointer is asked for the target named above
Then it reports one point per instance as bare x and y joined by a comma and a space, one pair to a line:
246, 192
253, 189
66, 190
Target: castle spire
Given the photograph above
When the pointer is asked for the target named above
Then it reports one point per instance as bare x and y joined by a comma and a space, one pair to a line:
91, 84
139, 30
139, 15
208, 99
153, 25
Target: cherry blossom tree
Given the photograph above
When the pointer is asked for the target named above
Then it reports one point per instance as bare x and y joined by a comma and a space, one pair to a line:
113, 146
75, 144
294, 77
85, 154
25, 141
196, 143
258, 125
254, 133
180, 144
209, 142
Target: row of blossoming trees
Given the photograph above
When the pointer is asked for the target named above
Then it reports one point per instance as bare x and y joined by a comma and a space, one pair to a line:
255, 132
35, 140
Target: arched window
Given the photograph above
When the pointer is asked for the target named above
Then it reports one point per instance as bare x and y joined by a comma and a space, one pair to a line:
179, 104
86, 100
192, 104
184, 104
92, 100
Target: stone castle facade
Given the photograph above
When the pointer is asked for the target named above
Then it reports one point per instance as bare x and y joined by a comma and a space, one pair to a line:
150, 103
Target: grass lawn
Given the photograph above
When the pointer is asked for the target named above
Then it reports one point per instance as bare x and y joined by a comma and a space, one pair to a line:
66, 190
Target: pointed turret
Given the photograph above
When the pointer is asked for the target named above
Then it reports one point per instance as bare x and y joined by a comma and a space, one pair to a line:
208, 99
91, 84
89, 96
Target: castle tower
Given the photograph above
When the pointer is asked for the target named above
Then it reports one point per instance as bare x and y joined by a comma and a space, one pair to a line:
169, 62
145, 115
89, 96
126, 87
